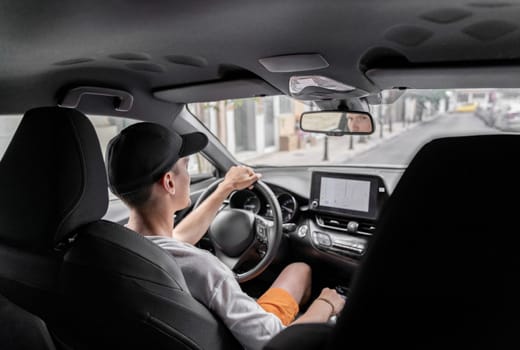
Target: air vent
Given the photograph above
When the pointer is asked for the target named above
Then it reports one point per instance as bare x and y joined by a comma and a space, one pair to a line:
366, 227
347, 225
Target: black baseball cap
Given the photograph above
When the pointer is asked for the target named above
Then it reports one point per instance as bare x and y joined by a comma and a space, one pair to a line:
141, 153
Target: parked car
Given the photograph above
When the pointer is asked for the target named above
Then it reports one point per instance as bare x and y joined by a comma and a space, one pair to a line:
412, 223
508, 117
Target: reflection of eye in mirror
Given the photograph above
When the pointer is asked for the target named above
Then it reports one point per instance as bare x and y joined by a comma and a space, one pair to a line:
337, 123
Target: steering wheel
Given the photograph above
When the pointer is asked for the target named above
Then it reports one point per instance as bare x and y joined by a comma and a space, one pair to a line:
247, 243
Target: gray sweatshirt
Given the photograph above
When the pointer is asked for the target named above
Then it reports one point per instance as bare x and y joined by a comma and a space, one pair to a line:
214, 285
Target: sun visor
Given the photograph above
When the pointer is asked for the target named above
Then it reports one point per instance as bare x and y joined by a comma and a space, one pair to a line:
294, 63
218, 90
446, 77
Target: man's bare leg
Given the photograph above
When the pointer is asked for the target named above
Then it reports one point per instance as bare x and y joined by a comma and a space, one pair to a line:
295, 279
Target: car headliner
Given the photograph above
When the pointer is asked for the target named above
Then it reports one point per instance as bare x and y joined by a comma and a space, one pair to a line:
145, 47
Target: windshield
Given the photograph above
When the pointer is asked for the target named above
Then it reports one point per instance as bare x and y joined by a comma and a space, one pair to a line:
265, 130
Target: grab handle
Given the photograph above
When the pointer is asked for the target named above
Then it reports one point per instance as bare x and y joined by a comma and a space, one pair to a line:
73, 97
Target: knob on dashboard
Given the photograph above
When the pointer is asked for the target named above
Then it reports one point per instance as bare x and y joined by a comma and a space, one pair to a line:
302, 231
352, 226
314, 204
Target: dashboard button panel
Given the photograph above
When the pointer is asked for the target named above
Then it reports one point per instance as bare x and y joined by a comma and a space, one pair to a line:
337, 244
321, 239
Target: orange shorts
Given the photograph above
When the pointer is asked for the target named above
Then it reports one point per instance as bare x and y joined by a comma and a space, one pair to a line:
278, 301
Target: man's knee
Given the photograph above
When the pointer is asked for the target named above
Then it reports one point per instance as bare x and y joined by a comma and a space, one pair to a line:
300, 269
299, 272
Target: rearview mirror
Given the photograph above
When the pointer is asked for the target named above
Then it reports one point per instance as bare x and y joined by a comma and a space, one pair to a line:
337, 123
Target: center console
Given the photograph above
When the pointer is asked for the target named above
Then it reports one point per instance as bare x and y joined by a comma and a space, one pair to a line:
346, 207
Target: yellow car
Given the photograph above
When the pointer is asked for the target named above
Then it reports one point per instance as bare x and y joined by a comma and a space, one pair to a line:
468, 107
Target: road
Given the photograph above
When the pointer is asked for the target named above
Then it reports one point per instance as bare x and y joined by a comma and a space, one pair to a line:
400, 149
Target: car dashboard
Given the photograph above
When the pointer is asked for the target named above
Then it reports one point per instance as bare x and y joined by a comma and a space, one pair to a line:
329, 213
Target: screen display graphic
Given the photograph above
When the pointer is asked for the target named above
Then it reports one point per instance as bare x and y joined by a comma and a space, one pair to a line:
345, 194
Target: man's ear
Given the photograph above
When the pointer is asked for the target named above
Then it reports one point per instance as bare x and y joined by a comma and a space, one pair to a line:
168, 183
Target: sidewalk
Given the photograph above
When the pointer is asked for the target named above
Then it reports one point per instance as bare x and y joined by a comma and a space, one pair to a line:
338, 148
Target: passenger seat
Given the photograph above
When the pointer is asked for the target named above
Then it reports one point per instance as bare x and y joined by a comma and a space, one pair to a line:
21, 329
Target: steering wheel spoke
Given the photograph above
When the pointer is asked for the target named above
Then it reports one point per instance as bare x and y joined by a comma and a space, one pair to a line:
227, 260
249, 256
224, 206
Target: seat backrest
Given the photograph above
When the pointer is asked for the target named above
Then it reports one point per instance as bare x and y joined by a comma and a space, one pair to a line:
302, 336
127, 292
114, 288
120, 289
52, 181
441, 269
21, 329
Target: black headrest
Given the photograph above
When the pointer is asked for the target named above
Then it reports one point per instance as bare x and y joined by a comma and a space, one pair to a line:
52, 179
443, 263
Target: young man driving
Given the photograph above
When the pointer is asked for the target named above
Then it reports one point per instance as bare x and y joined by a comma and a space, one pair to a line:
148, 169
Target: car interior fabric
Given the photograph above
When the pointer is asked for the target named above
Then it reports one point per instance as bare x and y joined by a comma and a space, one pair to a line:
128, 292
52, 181
440, 269
21, 329
169, 54
122, 290
302, 337
55, 155
442, 266
57, 150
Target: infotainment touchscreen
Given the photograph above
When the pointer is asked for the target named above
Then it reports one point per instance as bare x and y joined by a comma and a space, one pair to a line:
345, 194
354, 195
